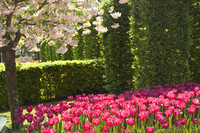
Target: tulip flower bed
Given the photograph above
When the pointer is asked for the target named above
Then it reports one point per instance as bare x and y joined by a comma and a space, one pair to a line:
162, 109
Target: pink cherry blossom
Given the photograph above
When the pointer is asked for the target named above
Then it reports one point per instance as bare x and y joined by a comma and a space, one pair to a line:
62, 49
87, 24
86, 32
115, 25
93, 12
101, 29
51, 43
101, 12
122, 1
116, 15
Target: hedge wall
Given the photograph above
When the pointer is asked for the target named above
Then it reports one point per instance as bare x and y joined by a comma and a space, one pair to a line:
49, 80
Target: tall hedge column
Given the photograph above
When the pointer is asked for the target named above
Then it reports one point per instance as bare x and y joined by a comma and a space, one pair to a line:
195, 50
91, 42
117, 49
160, 32
79, 51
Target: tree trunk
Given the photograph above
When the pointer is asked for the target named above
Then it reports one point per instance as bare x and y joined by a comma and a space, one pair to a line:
0, 55
11, 81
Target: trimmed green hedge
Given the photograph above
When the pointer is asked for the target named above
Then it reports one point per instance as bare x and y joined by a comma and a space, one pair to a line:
49, 80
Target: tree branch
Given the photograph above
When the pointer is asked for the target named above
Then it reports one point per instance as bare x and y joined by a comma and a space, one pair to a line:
18, 36
18, 1
43, 4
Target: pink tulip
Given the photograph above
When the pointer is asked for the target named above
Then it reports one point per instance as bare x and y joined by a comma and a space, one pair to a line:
126, 131
133, 111
105, 128
117, 121
183, 121
195, 101
29, 117
130, 121
30, 129
36, 126
76, 120
50, 114
161, 118
110, 122
51, 122
182, 106
45, 124
68, 125
143, 115
165, 125
150, 129
167, 113
70, 98
92, 131
195, 120
36, 119
177, 123
87, 126
56, 120
124, 114
166, 103
29, 108
177, 112
48, 130
96, 121
19, 109
191, 109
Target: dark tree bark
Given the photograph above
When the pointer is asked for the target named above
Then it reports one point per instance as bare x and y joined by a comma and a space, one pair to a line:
11, 81
0, 55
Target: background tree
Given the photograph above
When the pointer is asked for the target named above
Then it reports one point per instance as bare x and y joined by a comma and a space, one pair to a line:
161, 38
117, 48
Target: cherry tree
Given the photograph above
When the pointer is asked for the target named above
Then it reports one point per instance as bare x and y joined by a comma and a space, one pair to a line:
28, 22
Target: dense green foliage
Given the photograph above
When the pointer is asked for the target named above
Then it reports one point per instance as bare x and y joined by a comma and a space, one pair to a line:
48, 53
69, 55
117, 49
79, 51
195, 49
92, 42
44, 81
161, 38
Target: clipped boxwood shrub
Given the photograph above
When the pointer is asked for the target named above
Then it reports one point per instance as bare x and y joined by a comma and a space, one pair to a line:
55, 80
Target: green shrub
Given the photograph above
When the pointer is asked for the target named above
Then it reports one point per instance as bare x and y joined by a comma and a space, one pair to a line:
49, 80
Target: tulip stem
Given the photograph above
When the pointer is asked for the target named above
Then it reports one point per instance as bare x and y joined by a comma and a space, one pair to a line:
60, 126
190, 122
198, 117
142, 124
127, 128
196, 128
